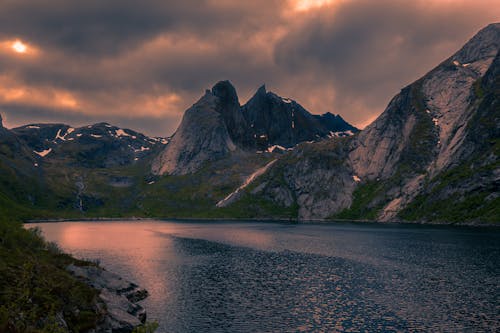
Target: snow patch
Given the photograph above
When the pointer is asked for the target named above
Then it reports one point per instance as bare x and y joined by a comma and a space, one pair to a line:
286, 100
233, 195
456, 63
356, 179
340, 134
43, 153
435, 121
151, 182
59, 136
120, 132
141, 149
96, 136
273, 148
33, 126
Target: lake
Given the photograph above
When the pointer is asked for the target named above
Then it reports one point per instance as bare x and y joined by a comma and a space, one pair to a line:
284, 277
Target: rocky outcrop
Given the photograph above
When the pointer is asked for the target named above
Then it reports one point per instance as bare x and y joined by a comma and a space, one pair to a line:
316, 177
120, 297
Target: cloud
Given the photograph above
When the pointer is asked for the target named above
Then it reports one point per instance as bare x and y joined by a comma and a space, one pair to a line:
141, 65
365, 51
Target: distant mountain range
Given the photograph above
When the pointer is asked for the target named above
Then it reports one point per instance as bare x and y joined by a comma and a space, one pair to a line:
431, 156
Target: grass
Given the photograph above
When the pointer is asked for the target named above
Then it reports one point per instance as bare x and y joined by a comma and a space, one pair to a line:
364, 204
35, 288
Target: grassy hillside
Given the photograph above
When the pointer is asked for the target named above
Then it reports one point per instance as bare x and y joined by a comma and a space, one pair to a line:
36, 292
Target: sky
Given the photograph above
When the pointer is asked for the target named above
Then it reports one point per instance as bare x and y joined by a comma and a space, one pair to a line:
141, 64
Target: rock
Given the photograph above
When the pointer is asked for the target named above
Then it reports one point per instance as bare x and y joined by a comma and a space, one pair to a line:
275, 120
201, 137
445, 123
122, 313
217, 125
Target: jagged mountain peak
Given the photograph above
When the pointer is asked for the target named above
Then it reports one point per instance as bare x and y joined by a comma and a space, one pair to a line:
226, 92
484, 44
217, 125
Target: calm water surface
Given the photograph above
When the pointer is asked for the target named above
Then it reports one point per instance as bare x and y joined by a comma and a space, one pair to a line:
271, 277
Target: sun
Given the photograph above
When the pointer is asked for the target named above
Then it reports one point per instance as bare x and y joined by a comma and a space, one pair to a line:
304, 5
19, 46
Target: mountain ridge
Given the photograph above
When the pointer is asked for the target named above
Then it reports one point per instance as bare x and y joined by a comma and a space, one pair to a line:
217, 125
431, 156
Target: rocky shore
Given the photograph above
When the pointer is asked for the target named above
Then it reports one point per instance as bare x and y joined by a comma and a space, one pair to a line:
117, 300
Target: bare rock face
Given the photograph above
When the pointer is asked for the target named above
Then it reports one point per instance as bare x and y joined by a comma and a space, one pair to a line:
316, 177
275, 120
202, 136
431, 129
122, 314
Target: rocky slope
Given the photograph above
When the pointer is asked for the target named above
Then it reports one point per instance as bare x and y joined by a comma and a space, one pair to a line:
217, 125
121, 313
430, 129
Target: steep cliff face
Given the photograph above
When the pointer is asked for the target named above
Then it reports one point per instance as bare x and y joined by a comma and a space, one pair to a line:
316, 178
275, 120
202, 136
433, 114
428, 131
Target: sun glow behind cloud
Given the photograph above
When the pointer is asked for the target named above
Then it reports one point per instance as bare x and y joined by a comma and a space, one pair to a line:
303, 5
19, 46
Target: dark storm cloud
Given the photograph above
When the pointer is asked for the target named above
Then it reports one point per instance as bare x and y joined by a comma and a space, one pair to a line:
367, 50
140, 64
94, 27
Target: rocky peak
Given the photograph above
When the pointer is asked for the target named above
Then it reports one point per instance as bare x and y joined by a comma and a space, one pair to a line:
336, 124
203, 134
1, 121
228, 105
484, 44
226, 93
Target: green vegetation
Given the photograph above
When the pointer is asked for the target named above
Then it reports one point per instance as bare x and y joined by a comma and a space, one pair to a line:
445, 202
146, 328
364, 205
36, 291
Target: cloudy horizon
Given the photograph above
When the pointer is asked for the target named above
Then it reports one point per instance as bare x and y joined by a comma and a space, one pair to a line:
141, 66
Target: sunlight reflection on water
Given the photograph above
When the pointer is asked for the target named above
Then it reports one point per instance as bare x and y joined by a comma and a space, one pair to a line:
271, 277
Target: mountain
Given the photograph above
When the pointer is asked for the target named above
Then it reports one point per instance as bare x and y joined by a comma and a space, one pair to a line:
203, 134
431, 155
275, 120
217, 125
95, 146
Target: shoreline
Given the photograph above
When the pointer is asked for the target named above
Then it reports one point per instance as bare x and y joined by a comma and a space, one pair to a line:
265, 220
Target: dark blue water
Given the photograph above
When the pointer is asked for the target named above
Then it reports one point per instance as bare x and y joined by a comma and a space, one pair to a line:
271, 277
